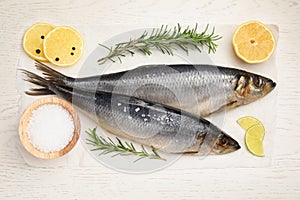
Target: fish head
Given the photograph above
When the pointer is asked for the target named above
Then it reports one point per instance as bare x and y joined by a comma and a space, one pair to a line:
225, 144
250, 87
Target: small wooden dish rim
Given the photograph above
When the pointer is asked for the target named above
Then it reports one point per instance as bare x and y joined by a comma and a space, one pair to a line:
25, 120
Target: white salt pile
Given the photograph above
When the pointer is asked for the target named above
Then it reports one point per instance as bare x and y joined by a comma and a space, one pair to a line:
50, 128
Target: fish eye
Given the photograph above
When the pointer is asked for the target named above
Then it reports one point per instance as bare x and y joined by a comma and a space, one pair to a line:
223, 141
257, 81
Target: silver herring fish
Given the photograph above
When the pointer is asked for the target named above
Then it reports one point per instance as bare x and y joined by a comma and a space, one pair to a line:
197, 89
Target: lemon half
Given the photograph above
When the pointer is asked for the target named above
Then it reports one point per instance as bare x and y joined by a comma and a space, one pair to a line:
253, 42
63, 46
33, 40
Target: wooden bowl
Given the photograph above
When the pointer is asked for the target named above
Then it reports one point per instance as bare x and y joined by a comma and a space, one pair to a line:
24, 121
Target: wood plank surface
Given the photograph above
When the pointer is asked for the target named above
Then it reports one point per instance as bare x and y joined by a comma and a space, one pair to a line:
279, 181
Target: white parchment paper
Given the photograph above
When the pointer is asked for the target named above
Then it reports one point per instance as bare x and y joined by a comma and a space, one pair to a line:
264, 109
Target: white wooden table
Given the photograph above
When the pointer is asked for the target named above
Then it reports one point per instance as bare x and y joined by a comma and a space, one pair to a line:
279, 181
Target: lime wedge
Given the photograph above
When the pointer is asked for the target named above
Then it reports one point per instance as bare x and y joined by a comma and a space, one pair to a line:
254, 140
248, 121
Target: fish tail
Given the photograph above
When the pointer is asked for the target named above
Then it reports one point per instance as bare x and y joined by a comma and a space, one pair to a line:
52, 75
45, 85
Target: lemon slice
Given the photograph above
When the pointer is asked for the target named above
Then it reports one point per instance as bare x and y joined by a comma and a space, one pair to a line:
254, 140
248, 121
63, 46
253, 42
33, 40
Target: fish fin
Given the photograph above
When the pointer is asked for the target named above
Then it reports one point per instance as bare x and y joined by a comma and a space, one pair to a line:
37, 80
39, 91
51, 74
231, 105
228, 106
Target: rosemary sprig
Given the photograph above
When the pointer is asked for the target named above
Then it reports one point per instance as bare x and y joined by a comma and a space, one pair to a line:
164, 39
119, 148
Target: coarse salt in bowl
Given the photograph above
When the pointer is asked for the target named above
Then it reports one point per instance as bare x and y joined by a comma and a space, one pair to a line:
49, 128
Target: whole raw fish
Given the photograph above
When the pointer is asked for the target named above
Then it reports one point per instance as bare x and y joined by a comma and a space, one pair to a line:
198, 89
142, 121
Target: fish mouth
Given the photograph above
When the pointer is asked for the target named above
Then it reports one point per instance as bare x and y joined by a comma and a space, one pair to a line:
231, 148
267, 88
236, 146
271, 84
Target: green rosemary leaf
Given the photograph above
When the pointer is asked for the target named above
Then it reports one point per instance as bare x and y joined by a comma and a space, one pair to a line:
106, 146
143, 148
133, 147
111, 141
164, 39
